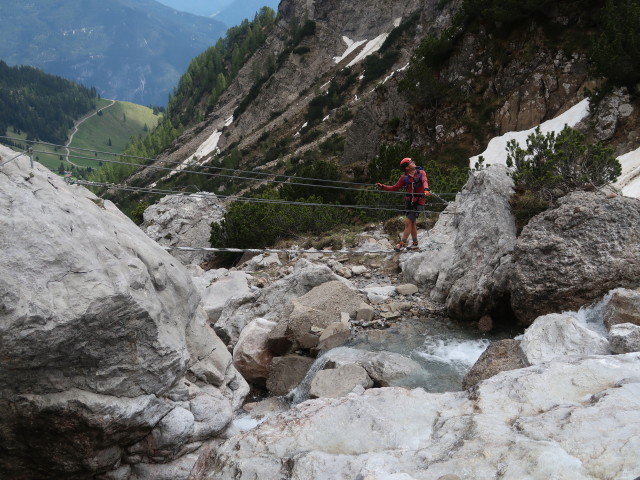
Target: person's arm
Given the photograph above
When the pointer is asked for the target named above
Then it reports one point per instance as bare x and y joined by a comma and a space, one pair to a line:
425, 184
398, 185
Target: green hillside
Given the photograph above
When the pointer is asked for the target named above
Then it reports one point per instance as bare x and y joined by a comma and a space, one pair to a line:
115, 127
108, 131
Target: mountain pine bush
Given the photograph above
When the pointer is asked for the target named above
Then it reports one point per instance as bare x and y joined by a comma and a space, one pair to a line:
555, 164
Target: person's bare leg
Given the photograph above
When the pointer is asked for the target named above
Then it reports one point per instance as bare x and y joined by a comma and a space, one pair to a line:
408, 225
405, 235
414, 231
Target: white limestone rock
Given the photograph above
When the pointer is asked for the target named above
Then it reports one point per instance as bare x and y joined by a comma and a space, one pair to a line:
468, 268
556, 336
378, 294
573, 420
183, 221
99, 328
251, 356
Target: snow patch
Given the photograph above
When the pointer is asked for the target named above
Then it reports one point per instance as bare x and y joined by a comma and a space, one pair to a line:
371, 46
496, 152
208, 146
351, 46
629, 181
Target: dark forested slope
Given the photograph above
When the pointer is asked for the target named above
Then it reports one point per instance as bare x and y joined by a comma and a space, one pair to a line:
40, 105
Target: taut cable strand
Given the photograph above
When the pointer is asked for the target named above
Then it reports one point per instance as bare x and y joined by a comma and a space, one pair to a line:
184, 170
238, 198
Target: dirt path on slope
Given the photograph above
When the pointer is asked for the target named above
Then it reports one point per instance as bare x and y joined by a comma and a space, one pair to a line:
75, 130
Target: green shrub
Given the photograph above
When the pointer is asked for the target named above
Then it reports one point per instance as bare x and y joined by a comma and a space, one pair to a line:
309, 136
616, 51
421, 84
320, 169
333, 145
376, 65
320, 105
260, 225
554, 164
138, 211
525, 205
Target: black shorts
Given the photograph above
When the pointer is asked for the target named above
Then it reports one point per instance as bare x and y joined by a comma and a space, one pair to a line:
413, 210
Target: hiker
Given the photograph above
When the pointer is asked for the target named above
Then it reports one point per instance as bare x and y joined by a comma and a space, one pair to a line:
415, 181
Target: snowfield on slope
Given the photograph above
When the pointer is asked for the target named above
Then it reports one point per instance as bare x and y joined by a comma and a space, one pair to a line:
496, 153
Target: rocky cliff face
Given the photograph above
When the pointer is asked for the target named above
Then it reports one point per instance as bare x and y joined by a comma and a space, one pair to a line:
500, 85
344, 34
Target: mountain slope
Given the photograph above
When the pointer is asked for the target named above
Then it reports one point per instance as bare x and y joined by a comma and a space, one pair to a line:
40, 105
129, 50
359, 86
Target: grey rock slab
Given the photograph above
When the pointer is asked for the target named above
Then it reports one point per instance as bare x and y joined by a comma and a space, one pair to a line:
338, 382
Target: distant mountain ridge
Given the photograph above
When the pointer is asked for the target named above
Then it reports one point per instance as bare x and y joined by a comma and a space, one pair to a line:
229, 12
134, 50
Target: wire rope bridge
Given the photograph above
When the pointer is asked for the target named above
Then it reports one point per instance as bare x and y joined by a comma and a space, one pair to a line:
195, 168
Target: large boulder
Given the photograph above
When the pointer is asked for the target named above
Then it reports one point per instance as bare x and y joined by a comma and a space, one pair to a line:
571, 255
286, 373
582, 414
271, 302
99, 327
312, 313
468, 269
251, 356
219, 286
338, 382
183, 221
624, 338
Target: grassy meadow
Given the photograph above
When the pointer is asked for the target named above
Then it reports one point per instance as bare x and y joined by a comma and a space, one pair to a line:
100, 135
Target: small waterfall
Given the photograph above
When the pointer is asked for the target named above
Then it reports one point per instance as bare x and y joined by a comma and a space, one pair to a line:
460, 352
449, 358
591, 316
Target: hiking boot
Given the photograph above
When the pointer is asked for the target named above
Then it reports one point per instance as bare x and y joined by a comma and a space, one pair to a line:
413, 246
400, 246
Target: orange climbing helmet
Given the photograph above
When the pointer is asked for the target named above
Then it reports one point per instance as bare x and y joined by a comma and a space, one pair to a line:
404, 163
